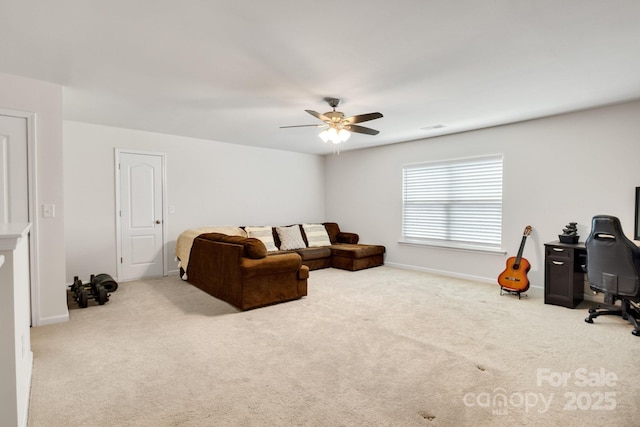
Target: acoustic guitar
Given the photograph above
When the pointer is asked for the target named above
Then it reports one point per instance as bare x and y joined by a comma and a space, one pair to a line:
514, 278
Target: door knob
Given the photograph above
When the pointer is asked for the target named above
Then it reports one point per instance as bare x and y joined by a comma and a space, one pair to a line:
158, 221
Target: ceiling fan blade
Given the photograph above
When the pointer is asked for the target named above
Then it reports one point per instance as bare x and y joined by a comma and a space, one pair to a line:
318, 115
300, 126
362, 129
363, 118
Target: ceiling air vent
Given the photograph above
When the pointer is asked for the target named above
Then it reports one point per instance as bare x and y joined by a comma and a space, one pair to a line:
433, 127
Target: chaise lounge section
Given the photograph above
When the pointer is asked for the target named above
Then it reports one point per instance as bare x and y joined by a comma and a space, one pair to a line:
343, 251
355, 257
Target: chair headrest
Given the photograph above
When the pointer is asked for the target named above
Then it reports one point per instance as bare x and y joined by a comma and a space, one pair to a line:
606, 227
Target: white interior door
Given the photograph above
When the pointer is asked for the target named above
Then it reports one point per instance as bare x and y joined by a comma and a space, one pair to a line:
141, 215
15, 194
14, 180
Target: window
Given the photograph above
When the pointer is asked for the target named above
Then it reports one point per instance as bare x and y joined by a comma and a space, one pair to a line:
454, 203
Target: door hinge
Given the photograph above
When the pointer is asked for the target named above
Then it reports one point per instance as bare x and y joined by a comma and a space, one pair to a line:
120, 260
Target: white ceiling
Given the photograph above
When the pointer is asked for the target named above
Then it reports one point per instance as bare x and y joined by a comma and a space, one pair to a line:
235, 71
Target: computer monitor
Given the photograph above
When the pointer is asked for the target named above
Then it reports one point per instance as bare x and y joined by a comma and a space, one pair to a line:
636, 232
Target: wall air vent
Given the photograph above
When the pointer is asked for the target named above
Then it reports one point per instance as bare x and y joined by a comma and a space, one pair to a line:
433, 127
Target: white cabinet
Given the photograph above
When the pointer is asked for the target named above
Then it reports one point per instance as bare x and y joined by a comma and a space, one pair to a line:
16, 357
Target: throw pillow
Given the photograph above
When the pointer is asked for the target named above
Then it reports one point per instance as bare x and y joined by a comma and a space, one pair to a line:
265, 234
316, 235
290, 238
254, 248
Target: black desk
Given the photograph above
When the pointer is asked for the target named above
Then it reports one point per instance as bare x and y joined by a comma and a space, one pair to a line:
563, 274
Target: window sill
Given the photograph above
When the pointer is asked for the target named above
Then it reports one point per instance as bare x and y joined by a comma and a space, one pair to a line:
467, 247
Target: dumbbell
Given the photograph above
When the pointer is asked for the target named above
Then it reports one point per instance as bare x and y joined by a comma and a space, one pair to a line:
83, 293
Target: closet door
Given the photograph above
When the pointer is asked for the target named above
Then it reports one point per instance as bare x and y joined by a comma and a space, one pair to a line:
14, 184
141, 208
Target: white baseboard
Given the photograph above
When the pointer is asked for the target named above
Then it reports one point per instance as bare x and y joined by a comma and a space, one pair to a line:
442, 272
491, 280
43, 321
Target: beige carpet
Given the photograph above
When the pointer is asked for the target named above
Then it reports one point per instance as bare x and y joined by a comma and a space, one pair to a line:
379, 347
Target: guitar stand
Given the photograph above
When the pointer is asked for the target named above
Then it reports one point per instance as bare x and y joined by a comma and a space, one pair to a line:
511, 292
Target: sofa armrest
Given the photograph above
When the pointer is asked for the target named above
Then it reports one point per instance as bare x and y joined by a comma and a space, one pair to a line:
277, 263
337, 236
351, 238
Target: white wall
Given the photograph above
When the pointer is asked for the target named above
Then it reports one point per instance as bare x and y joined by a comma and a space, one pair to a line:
208, 182
45, 100
556, 170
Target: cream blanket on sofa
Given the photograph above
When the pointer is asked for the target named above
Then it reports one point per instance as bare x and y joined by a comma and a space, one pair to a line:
186, 238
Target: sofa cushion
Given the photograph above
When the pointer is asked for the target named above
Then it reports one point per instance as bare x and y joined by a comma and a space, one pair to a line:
265, 234
314, 253
252, 248
290, 238
316, 235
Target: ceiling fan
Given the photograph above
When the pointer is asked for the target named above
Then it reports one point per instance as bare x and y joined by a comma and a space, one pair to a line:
337, 127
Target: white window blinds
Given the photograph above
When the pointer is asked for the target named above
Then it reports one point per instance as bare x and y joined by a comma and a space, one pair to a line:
454, 203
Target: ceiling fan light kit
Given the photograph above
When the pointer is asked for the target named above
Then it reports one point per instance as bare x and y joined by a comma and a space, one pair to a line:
337, 128
334, 135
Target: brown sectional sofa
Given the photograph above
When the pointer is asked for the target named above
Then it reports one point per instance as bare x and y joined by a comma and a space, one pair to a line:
238, 269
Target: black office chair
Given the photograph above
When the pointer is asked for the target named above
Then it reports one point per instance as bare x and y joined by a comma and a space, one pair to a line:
613, 267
